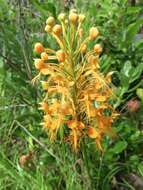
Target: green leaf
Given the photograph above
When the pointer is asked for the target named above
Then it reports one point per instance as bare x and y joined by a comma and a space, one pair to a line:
131, 31
139, 44
126, 69
140, 168
44, 7
139, 93
119, 147
133, 10
136, 72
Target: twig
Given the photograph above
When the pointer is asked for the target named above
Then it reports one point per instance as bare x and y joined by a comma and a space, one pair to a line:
38, 142
99, 172
9, 62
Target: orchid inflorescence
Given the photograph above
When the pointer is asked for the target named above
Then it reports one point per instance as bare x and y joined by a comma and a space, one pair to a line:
77, 94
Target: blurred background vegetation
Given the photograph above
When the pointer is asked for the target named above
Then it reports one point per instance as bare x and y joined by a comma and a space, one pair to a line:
54, 166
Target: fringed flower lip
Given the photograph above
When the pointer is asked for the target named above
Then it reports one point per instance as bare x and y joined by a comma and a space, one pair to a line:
77, 97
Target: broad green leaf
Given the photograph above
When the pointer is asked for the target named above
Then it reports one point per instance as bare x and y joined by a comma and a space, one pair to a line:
139, 93
136, 72
44, 7
140, 168
133, 10
126, 68
119, 147
132, 31
139, 44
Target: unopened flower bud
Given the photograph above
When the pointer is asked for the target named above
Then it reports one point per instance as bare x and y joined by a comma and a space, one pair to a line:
38, 48
60, 56
97, 48
84, 48
48, 28
93, 33
44, 56
57, 29
80, 32
73, 17
50, 21
61, 16
81, 17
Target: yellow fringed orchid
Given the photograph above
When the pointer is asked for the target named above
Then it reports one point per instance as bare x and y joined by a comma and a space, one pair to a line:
77, 94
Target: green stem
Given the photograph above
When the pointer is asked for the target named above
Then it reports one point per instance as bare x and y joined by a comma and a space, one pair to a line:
99, 172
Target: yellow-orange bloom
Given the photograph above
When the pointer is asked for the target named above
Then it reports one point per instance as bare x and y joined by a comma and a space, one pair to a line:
93, 133
97, 48
77, 95
44, 106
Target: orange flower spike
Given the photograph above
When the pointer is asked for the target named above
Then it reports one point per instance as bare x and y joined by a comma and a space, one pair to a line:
38, 48
72, 85
93, 33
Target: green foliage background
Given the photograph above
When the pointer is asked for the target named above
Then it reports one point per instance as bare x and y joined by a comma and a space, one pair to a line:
54, 166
